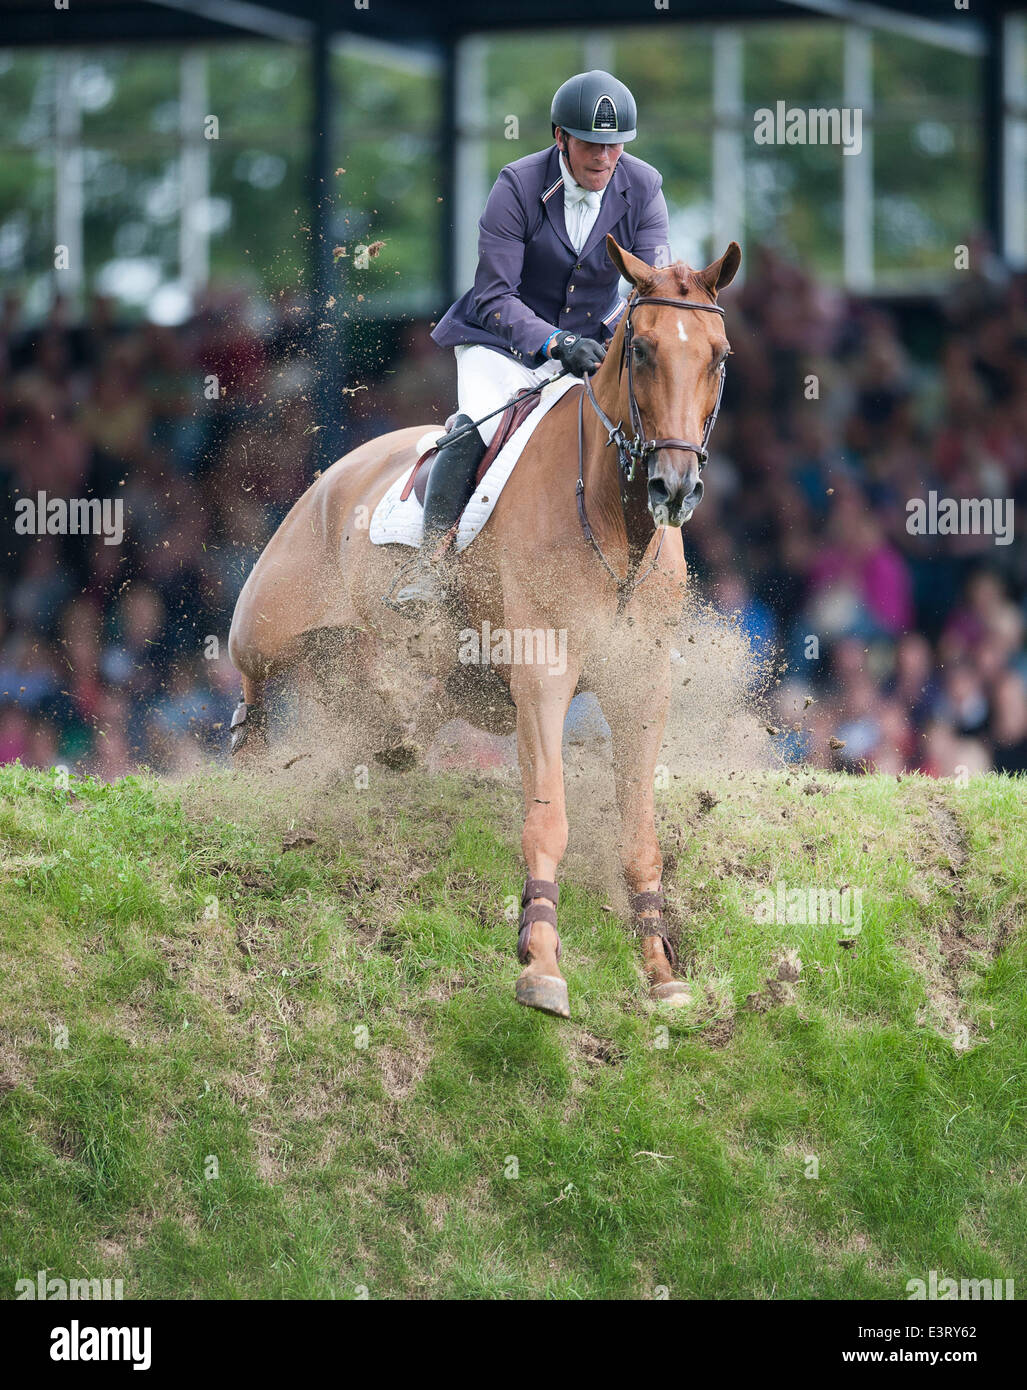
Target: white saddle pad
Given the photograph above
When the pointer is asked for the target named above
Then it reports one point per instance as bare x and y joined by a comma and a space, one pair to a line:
402, 523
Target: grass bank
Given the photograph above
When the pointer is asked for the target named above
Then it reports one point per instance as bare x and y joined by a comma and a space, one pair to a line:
261, 1043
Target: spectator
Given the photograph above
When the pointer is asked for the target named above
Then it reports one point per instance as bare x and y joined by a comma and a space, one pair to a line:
913, 646
1009, 723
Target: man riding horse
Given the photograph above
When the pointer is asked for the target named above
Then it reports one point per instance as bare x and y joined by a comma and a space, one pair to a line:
584, 539
545, 295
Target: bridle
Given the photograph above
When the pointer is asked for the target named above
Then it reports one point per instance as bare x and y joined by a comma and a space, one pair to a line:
631, 452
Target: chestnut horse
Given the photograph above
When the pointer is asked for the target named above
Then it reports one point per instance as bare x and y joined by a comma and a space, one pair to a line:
577, 546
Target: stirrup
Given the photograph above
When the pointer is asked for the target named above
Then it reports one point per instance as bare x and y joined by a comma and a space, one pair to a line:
421, 584
416, 587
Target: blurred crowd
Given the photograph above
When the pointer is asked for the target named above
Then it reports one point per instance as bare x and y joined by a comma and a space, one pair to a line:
911, 646
115, 656
837, 412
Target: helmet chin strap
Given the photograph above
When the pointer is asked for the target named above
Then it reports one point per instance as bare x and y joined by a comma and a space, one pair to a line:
565, 151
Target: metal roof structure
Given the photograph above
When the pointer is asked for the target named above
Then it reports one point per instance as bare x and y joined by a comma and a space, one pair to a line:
440, 27
106, 21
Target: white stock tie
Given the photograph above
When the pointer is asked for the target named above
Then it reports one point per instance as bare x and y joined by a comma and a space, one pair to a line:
580, 208
577, 194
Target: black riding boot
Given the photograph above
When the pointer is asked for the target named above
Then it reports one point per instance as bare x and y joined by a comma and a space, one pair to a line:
450, 488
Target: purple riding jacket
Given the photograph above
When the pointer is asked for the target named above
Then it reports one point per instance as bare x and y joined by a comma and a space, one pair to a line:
530, 280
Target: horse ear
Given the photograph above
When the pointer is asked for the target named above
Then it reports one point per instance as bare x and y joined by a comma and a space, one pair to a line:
629, 266
720, 273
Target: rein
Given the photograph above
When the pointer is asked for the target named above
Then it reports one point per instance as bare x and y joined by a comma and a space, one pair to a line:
631, 452
454, 435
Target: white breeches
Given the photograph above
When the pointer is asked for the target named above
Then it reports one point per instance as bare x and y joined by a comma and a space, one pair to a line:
486, 379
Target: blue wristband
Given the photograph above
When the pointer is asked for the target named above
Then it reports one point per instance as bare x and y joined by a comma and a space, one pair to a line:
544, 349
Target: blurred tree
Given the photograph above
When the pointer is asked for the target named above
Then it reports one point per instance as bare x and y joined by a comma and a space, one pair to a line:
925, 125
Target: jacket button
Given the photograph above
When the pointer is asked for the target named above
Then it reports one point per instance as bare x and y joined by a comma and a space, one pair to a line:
571, 289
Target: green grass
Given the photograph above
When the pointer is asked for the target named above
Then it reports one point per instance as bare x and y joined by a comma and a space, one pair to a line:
214, 990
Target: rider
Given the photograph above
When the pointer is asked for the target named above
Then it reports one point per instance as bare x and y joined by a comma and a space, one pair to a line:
545, 295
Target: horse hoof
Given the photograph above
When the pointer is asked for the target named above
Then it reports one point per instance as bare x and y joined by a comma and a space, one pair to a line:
248, 728
674, 993
548, 993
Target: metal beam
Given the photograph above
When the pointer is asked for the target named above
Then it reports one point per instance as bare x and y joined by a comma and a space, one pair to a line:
22, 27
243, 14
960, 34
323, 341
418, 58
472, 181
993, 134
193, 233
728, 174
68, 184
1014, 172
858, 169
447, 155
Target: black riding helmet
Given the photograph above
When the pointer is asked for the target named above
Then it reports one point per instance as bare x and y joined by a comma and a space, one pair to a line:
594, 106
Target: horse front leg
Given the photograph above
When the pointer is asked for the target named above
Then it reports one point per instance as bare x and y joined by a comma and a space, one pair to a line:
542, 700
637, 717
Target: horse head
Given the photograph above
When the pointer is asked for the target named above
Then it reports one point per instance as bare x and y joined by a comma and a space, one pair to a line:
672, 358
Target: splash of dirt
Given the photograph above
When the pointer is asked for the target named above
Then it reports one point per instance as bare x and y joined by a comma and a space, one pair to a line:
715, 725
337, 726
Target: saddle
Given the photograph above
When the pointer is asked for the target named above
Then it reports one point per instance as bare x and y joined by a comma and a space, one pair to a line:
512, 418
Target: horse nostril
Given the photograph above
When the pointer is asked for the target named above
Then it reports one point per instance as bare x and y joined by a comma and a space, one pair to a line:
659, 492
669, 501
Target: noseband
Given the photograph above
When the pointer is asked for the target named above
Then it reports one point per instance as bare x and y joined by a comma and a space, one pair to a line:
631, 452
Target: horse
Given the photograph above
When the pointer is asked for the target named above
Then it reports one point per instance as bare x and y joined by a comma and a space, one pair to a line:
584, 542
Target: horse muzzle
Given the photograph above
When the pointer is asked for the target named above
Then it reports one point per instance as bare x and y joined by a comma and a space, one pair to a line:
672, 503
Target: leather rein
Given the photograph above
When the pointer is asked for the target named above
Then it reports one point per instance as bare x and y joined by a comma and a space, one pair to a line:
631, 452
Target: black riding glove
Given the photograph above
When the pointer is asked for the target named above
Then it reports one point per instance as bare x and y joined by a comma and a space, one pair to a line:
578, 355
